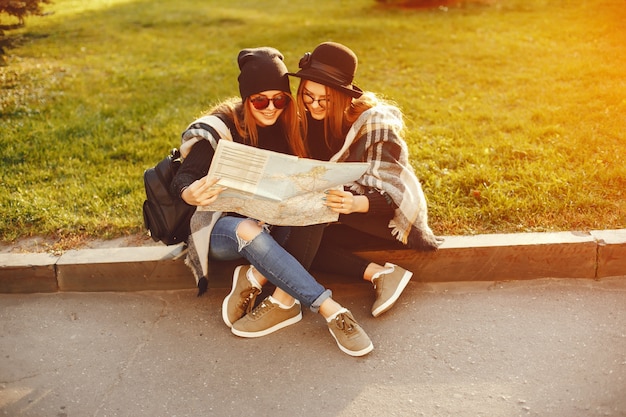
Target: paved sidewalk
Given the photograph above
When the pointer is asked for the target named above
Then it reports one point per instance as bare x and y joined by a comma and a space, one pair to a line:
545, 347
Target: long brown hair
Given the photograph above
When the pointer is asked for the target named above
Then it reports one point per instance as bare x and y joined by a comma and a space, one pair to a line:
245, 123
342, 111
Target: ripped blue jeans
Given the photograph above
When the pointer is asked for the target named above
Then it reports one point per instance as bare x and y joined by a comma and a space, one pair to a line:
270, 258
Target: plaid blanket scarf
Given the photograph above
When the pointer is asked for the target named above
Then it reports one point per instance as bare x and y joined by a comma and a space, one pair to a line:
375, 138
202, 222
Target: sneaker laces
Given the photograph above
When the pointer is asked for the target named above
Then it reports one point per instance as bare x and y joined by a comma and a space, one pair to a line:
262, 308
345, 323
246, 301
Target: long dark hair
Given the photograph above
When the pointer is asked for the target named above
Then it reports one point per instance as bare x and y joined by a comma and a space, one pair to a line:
342, 111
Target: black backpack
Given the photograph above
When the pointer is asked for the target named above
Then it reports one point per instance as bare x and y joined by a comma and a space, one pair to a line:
165, 218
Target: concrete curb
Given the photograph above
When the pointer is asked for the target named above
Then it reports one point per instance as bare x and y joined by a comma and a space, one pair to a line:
494, 257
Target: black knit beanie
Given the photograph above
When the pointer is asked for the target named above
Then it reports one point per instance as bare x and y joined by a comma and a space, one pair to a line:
262, 69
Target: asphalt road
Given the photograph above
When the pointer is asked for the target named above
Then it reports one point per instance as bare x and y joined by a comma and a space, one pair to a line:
527, 348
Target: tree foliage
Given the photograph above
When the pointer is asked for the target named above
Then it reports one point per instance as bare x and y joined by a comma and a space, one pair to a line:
19, 9
22, 8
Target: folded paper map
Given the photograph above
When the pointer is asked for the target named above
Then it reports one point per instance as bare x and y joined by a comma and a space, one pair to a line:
276, 188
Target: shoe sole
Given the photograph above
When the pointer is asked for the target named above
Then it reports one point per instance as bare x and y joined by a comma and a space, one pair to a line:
230, 294
361, 352
276, 327
391, 301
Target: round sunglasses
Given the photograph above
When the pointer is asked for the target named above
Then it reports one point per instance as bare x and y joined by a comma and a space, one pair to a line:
261, 102
309, 99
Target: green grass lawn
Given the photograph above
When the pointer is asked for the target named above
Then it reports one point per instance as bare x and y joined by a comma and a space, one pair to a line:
515, 110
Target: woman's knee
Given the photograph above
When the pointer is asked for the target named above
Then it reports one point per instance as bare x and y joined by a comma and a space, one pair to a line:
248, 229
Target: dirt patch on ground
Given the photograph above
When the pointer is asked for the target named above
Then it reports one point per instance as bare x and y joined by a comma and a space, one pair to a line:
55, 246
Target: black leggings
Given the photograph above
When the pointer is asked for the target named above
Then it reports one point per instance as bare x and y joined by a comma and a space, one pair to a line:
356, 231
302, 242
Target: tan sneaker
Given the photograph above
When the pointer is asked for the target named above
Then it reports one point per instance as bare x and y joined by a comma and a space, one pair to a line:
389, 286
241, 298
349, 335
267, 318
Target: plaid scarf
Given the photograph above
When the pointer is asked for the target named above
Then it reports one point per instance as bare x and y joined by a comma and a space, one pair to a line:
375, 138
202, 222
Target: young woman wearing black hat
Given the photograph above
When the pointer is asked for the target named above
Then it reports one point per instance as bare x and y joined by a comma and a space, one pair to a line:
265, 117
345, 124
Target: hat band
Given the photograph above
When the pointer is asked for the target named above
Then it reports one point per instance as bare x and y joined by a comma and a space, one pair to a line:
331, 72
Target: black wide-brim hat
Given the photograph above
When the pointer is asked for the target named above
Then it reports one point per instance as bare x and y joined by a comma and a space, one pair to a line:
331, 64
